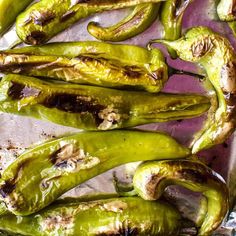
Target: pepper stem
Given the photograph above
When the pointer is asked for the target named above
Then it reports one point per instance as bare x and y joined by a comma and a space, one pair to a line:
174, 71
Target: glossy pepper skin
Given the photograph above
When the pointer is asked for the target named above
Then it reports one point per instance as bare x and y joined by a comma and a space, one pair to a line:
46, 18
40, 175
172, 12
152, 178
215, 54
226, 12
97, 67
9, 10
94, 108
135, 23
116, 216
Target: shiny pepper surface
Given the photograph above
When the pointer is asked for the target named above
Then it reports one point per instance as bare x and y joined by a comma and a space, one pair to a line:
46, 18
94, 108
41, 175
116, 216
215, 54
101, 64
152, 178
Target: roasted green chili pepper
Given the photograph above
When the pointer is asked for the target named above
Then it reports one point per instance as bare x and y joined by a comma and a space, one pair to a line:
116, 216
41, 175
172, 12
46, 18
94, 108
226, 11
138, 21
217, 56
9, 10
151, 179
148, 72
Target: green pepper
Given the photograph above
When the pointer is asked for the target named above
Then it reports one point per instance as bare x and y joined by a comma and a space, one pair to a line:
9, 10
94, 108
46, 18
40, 175
226, 12
172, 12
215, 54
152, 178
137, 22
147, 72
115, 216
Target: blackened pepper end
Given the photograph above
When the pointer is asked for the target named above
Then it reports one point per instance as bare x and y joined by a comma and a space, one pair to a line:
36, 37
7, 188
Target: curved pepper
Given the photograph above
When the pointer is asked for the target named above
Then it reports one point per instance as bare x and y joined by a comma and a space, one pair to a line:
39, 176
216, 55
226, 11
151, 179
147, 72
172, 12
94, 108
46, 18
9, 10
116, 216
137, 22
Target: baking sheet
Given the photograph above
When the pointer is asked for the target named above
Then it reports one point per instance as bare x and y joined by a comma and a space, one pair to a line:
19, 133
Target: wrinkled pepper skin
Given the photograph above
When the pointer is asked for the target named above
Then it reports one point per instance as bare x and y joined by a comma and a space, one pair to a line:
147, 72
9, 10
226, 11
172, 12
116, 216
39, 176
46, 18
94, 108
215, 54
152, 178
137, 22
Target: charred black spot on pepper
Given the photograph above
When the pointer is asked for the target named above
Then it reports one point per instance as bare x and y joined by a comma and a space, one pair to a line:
85, 58
158, 74
129, 231
125, 231
18, 91
193, 175
67, 16
54, 156
202, 47
72, 103
36, 37
7, 188
44, 18
231, 106
132, 72
15, 91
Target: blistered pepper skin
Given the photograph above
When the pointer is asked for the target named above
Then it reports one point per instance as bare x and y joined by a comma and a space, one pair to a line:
172, 12
94, 108
137, 22
226, 12
152, 178
216, 55
45, 19
39, 176
92, 65
116, 216
9, 10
